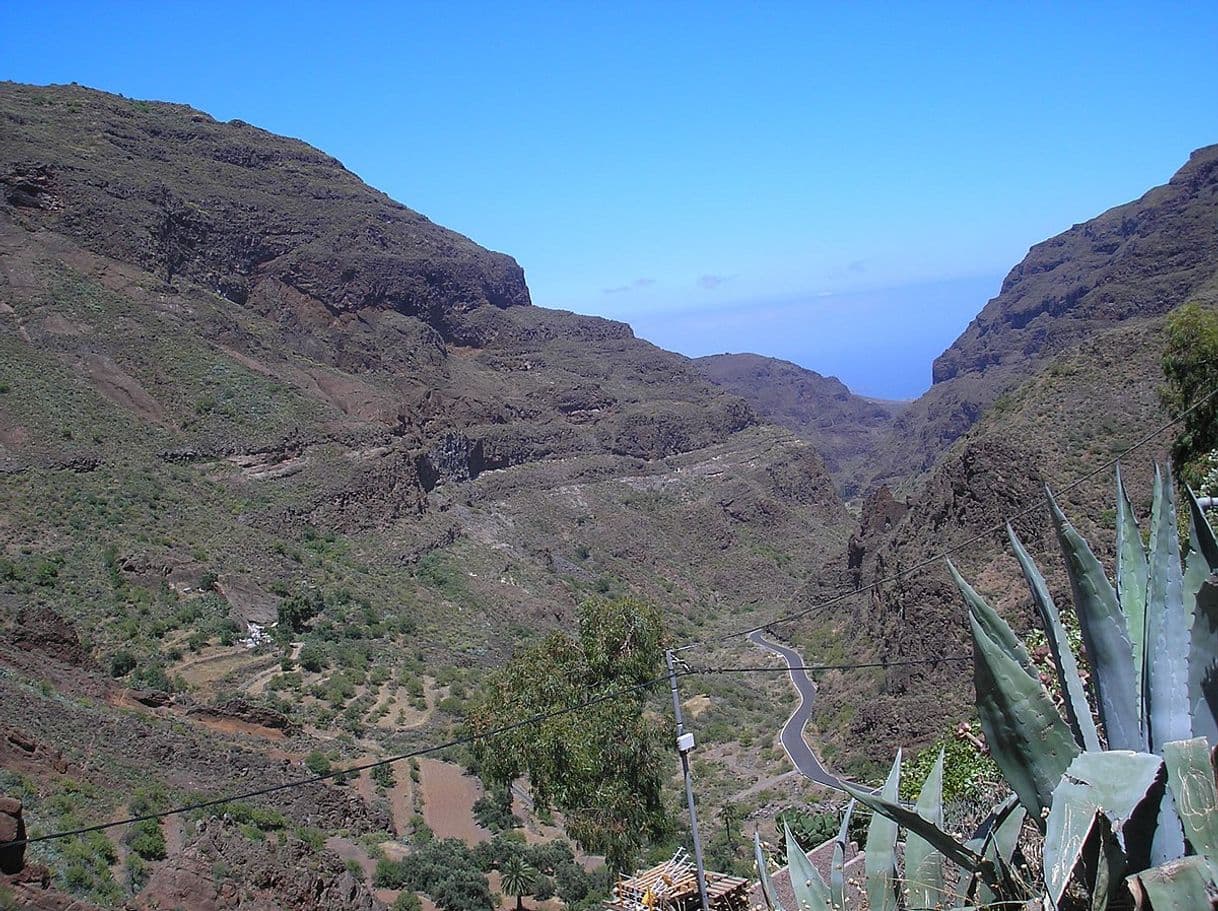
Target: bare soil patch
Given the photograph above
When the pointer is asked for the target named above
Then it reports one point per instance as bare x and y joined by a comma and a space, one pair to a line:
448, 801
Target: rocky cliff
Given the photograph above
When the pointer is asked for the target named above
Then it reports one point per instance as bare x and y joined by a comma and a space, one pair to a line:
1134, 262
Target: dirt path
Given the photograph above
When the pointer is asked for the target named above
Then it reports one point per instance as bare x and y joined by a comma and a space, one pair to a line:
175, 839
118, 838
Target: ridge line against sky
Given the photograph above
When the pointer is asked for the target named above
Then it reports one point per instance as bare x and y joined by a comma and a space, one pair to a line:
649, 162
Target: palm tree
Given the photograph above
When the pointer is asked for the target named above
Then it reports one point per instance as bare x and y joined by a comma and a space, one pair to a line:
517, 878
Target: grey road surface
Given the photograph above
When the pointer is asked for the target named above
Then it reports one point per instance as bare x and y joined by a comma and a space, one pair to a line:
792, 736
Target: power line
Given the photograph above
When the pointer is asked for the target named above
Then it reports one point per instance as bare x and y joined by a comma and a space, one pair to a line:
813, 668
471, 738
846, 594
614, 694
390, 760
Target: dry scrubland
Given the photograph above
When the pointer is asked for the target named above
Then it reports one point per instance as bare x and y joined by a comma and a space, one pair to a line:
237, 386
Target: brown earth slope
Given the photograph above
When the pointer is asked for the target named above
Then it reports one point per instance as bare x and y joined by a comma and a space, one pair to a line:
235, 380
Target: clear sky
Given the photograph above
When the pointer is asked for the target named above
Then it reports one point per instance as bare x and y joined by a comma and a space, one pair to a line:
843, 185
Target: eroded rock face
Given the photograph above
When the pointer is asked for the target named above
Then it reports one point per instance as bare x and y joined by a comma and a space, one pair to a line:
1134, 262
881, 512
261, 876
12, 828
238, 709
1139, 259
31, 890
40, 629
185, 196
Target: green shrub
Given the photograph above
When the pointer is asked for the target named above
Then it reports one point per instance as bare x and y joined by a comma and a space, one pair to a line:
317, 763
46, 573
407, 901
147, 840
383, 775
312, 658
122, 663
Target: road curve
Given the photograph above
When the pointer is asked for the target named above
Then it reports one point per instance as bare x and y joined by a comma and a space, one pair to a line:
792, 735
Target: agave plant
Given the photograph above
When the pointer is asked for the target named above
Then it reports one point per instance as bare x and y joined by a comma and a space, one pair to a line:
1126, 803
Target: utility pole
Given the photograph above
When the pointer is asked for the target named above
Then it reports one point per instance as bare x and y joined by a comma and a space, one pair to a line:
685, 743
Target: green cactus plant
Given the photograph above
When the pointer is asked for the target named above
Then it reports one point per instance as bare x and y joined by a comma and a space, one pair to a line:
1129, 804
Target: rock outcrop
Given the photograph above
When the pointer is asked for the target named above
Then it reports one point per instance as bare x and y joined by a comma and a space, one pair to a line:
261, 876
12, 829
41, 630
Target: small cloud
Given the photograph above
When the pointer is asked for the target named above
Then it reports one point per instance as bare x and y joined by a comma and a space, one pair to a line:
858, 267
633, 286
711, 282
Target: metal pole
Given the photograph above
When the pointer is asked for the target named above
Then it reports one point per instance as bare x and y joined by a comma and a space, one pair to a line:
685, 743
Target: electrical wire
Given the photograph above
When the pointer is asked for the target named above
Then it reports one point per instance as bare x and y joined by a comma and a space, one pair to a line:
463, 741
605, 697
390, 760
813, 668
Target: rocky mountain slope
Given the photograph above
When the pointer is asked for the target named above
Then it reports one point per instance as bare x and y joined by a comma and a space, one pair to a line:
238, 386
1135, 261
1047, 384
845, 428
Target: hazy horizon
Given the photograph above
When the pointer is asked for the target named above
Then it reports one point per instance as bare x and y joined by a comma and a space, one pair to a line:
830, 343
839, 186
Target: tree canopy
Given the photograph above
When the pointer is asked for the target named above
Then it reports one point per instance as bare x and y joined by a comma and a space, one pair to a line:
601, 766
1190, 366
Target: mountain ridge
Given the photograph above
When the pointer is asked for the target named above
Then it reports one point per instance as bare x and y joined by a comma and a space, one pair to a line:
1136, 260
414, 477
844, 427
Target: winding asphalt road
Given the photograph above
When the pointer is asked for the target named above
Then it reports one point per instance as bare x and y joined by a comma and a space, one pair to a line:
792, 736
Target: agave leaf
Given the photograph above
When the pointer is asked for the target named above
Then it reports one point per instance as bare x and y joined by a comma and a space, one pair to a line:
900, 815
1109, 862
998, 849
1203, 662
1185, 883
1190, 774
1078, 711
1132, 575
967, 884
1167, 841
994, 625
1203, 647
837, 868
1202, 535
1027, 738
923, 862
982, 844
1113, 783
1168, 622
881, 860
811, 893
763, 874
1108, 646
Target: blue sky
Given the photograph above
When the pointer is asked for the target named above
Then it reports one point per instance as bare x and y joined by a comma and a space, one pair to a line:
842, 185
